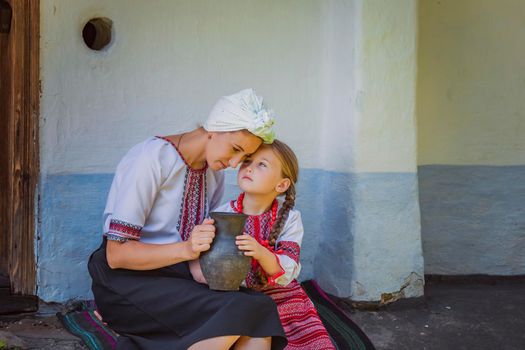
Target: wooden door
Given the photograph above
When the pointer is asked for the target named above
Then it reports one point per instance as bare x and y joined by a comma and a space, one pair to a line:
19, 111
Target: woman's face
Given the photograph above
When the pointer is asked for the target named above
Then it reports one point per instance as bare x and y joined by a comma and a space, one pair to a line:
228, 149
261, 173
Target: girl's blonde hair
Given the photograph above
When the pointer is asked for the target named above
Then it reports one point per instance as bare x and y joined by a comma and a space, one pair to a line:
290, 170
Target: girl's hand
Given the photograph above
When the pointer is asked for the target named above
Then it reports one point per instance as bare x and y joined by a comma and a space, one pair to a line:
250, 246
201, 237
196, 271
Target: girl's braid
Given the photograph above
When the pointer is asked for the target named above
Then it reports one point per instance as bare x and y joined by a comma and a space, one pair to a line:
282, 216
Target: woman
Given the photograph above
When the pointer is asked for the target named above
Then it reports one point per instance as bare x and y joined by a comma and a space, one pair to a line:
154, 224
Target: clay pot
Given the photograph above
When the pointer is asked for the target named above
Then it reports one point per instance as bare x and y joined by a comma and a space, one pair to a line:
224, 266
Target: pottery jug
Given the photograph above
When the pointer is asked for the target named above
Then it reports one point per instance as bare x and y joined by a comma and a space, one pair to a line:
224, 266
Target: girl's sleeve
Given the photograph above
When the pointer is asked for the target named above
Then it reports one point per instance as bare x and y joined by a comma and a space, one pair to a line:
135, 186
288, 250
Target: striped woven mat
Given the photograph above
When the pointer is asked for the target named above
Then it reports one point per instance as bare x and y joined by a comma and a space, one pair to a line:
82, 322
346, 335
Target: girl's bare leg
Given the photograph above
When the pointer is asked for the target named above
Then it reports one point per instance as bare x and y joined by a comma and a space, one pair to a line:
217, 343
249, 343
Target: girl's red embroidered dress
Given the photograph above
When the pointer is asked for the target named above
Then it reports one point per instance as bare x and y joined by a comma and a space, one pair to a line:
302, 325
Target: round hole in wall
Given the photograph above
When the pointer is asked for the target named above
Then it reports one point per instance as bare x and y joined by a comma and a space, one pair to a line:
97, 33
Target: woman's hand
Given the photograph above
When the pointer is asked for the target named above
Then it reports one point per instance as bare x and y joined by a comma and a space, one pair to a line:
200, 238
250, 246
196, 271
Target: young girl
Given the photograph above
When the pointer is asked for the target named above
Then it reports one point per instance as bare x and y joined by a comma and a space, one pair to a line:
273, 239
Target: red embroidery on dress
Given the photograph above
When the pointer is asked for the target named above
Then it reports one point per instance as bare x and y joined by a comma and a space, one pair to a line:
290, 249
124, 229
302, 325
193, 208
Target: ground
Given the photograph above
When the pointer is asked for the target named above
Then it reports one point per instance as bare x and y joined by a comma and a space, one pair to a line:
40, 330
451, 316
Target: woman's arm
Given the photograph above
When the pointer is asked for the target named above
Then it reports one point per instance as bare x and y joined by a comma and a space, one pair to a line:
136, 255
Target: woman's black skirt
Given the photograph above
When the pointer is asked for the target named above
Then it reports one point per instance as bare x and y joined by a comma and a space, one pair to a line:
166, 309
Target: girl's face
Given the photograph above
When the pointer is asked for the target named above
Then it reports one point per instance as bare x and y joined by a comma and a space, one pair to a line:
261, 173
228, 149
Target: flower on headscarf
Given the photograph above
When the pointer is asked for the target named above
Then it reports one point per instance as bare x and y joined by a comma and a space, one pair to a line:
265, 119
243, 110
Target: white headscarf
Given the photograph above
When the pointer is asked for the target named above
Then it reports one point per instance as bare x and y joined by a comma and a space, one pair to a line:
243, 110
